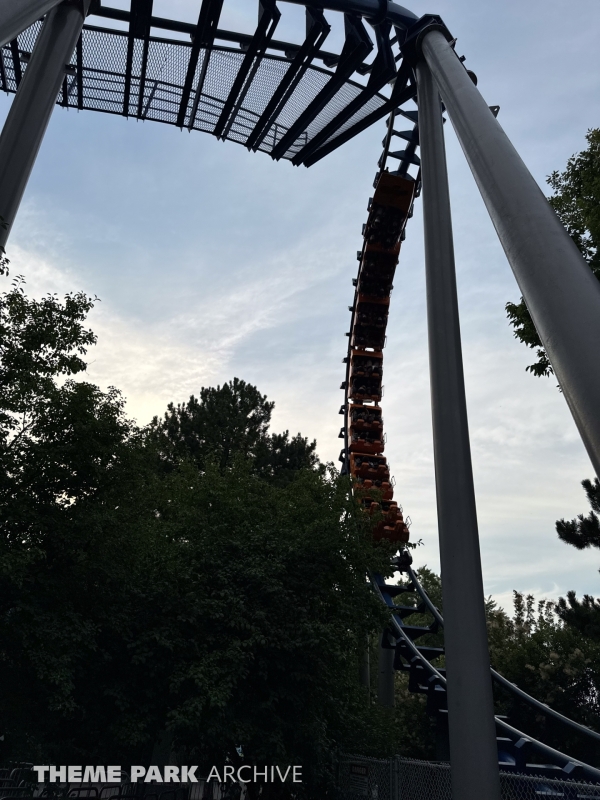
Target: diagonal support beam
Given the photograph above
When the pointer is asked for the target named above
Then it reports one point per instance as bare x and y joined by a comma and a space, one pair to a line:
401, 93
562, 294
356, 48
17, 15
34, 102
269, 17
204, 37
317, 31
382, 72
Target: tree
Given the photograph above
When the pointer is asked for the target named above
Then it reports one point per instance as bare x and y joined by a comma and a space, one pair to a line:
225, 422
582, 532
576, 200
65, 446
225, 604
60, 440
553, 662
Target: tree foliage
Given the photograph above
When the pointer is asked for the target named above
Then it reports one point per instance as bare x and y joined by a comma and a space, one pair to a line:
61, 441
576, 200
230, 421
553, 662
201, 581
582, 532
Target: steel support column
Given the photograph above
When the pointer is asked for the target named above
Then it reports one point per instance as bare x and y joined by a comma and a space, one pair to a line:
364, 667
385, 675
560, 291
16, 15
473, 748
32, 107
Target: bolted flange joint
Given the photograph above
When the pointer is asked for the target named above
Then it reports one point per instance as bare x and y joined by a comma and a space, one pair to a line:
411, 48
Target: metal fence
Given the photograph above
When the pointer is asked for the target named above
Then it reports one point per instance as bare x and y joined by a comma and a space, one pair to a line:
408, 779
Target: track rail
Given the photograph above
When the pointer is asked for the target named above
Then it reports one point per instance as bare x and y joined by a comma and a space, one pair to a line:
363, 459
364, 440
502, 681
519, 744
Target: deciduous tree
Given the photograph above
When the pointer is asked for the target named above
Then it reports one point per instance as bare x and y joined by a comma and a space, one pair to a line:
222, 599
576, 200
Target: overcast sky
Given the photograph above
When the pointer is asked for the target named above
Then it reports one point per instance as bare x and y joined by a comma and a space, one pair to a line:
211, 263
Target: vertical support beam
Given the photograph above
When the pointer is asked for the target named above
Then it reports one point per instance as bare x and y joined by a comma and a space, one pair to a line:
364, 667
17, 15
561, 293
385, 675
473, 748
32, 107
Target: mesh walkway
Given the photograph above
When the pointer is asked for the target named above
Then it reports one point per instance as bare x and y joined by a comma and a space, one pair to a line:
217, 89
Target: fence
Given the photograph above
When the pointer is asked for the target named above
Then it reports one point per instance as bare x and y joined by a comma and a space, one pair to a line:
407, 779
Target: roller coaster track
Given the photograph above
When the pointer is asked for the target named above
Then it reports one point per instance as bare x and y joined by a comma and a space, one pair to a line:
364, 440
363, 459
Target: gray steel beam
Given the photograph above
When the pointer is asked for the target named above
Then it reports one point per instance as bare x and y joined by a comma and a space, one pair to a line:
17, 15
376, 10
32, 107
561, 293
473, 748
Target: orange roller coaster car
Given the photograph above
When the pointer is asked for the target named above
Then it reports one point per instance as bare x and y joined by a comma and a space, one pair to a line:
389, 210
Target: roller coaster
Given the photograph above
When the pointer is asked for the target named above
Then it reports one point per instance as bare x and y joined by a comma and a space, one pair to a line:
299, 102
362, 457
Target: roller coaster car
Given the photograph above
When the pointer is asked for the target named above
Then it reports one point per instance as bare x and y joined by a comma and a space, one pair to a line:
392, 526
369, 466
397, 533
390, 510
384, 225
375, 287
365, 441
368, 336
379, 261
392, 190
372, 310
365, 489
365, 389
365, 418
376, 274
366, 365
376, 252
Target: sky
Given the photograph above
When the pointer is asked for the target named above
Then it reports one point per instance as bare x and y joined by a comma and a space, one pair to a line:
210, 262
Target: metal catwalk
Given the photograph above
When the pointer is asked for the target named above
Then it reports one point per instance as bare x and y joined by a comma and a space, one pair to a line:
297, 102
